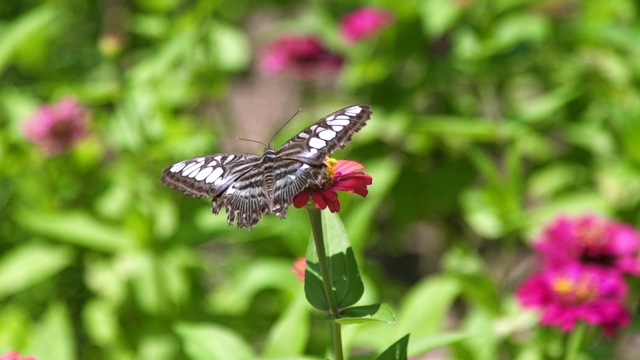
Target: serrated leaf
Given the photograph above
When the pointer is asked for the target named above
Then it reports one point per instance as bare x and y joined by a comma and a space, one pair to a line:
367, 313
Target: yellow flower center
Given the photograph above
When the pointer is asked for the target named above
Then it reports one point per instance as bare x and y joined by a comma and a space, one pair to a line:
331, 167
580, 291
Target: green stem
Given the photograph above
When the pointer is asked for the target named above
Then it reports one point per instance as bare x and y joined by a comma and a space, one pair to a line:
318, 238
574, 342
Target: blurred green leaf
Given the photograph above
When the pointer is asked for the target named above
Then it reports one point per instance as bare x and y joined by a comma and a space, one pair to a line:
42, 261
397, 351
77, 228
367, 313
230, 48
421, 345
438, 16
424, 308
36, 21
54, 336
236, 295
212, 342
100, 320
290, 333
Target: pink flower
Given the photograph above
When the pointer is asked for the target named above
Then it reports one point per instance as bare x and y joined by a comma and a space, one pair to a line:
299, 267
364, 22
303, 56
577, 293
12, 355
591, 240
343, 175
57, 127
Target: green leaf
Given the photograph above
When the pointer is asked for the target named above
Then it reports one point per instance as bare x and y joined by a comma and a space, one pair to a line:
367, 313
30, 264
54, 337
230, 48
397, 351
235, 296
345, 277
424, 344
21, 30
425, 307
77, 229
212, 342
290, 334
438, 16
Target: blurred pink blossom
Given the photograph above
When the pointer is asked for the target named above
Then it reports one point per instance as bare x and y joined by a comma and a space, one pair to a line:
301, 55
364, 22
590, 239
577, 293
12, 355
57, 127
299, 268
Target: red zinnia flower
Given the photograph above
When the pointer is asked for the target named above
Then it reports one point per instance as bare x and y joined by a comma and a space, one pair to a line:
591, 240
364, 22
577, 293
12, 355
303, 56
57, 127
299, 267
343, 175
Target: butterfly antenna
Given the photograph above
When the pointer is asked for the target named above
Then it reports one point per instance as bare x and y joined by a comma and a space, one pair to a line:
251, 140
285, 124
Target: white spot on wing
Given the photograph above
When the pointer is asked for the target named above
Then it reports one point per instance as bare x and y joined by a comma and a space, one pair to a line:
218, 158
337, 127
303, 135
200, 159
190, 168
177, 167
330, 117
353, 111
204, 173
215, 174
340, 122
313, 151
317, 143
228, 159
327, 135
342, 117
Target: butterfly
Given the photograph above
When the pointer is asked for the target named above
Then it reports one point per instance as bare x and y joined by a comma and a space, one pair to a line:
249, 185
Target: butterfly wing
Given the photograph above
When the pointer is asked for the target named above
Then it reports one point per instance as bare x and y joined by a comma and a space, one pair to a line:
292, 177
313, 144
208, 176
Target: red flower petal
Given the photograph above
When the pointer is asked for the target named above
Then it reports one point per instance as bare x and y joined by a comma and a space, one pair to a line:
301, 199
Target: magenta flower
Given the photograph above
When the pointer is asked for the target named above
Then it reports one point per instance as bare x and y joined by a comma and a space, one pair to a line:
57, 127
364, 22
343, 175
12, 355
303, 56
577, 293
591, 240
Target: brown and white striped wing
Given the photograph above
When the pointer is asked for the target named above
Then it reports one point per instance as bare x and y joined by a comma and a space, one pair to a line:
208, 176
313, 144
292, 177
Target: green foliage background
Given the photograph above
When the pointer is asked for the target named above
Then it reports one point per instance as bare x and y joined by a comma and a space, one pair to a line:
490, 118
